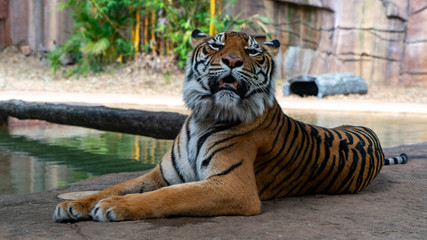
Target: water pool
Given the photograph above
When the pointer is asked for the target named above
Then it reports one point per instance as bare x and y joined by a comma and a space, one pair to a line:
40, 157
36, 158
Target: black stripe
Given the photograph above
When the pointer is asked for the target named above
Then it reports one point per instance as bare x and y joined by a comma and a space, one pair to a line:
266, 186
289, 125
207, 160
205, 136
315, 188
188, 137
372, 170
360, 147
301, 170
273, 68
291, 190
339, 169
302, 166
178, 139
163, 176
173, 157
387, 161
379, 155
366, 140
349, 137
360, 178
247, 75
338, 133
365, 135
276, 138
278, 121
228, 170
347, 189
396, 160
240, 134
350, 173
317, 170
276, 114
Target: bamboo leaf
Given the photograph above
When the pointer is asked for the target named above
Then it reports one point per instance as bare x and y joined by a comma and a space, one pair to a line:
265, 19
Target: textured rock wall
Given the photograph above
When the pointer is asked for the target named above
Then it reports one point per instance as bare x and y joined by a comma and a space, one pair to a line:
384, 41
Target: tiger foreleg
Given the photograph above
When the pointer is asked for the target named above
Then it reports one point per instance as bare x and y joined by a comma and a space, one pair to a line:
211, 197
80, 209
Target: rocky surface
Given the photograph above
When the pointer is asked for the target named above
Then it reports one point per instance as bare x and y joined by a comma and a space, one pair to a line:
383, 41
392, 207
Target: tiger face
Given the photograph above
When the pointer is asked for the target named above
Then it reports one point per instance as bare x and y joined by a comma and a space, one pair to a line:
229, 77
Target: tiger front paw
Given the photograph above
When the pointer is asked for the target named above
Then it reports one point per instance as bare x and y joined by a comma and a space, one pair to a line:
71, 211
117, 208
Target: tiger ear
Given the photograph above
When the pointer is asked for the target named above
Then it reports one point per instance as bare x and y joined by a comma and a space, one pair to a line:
272, 47
197, 37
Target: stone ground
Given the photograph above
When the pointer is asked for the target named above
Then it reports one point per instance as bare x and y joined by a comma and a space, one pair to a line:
394, 206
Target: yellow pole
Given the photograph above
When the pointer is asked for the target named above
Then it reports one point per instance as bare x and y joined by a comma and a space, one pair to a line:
132, 37
136, 36
146, 25
153, 30
211, 26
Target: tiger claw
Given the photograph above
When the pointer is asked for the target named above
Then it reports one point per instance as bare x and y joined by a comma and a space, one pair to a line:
65, 212
100, 214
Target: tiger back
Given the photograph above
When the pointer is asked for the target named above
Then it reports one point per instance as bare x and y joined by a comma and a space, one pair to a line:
304, 159
237, 147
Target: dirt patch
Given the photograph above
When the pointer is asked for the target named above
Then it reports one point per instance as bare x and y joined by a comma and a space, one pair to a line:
144, 77
18, 72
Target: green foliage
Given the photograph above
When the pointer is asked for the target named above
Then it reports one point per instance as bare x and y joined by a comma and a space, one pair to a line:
103, 29
196, 14
98, 38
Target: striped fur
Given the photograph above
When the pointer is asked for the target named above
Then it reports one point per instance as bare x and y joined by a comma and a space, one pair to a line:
237, 147
402, 159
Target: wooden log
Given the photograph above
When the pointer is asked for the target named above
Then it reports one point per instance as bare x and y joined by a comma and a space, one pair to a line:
3, 119
163, 125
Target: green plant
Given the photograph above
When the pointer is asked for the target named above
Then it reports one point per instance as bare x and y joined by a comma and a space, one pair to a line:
109, 30
98, 37
195, 14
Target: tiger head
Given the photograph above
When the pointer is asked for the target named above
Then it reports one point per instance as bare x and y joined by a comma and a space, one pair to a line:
229, 77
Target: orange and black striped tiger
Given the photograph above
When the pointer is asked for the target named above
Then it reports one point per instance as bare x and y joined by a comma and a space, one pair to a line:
237, 147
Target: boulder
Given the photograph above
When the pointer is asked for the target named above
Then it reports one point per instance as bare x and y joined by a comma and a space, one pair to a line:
325, 84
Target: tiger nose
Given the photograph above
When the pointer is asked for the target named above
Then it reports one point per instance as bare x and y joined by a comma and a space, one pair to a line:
232, 61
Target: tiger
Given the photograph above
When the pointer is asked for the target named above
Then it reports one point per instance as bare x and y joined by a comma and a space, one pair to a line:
237, 147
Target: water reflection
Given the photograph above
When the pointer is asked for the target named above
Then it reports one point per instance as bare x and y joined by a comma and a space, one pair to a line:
35, 158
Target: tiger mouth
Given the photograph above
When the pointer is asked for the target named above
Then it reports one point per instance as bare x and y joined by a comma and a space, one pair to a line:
228, 83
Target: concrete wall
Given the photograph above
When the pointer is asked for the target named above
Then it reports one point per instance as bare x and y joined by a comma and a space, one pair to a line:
33, 22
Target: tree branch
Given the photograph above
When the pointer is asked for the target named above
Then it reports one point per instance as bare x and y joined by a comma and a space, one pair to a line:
164, 125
